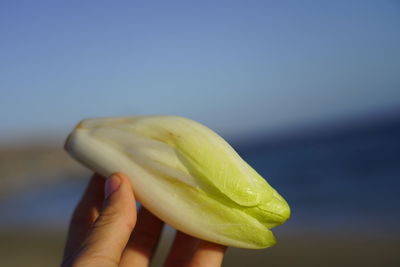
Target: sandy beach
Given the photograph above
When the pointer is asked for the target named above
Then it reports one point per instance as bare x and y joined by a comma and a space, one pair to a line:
35, 248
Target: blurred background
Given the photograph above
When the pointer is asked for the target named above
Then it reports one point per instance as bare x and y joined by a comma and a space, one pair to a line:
308, 92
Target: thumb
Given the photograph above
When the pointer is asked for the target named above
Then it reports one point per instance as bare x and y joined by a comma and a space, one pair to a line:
111, 231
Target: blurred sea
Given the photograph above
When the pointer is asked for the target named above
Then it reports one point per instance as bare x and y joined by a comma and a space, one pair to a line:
336, 179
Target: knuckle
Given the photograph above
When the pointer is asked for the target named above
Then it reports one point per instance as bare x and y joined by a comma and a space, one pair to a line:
105, 219
111, 216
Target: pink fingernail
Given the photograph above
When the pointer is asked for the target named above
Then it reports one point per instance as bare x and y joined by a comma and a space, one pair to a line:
111, 185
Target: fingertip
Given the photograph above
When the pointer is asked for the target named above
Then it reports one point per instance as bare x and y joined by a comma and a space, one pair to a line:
119, 198
111, 185
115, 181
121, 175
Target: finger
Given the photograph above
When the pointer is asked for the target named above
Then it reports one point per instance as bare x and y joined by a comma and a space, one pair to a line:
143, 241
207, 254
86, 212
110, 233
182, 250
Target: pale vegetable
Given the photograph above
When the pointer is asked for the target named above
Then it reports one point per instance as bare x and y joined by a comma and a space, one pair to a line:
185, 174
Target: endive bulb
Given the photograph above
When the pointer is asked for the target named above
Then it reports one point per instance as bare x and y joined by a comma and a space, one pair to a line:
185, 174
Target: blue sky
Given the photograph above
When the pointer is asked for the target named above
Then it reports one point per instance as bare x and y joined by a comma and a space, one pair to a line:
237, 66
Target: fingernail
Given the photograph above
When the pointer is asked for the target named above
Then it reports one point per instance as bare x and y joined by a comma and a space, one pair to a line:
111, 185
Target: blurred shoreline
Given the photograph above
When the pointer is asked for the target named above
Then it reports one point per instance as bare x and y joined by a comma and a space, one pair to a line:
293, 249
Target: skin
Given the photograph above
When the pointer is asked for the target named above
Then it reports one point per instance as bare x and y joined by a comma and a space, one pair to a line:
106, 230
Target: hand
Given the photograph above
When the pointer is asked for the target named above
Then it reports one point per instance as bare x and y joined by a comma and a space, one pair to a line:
105, 231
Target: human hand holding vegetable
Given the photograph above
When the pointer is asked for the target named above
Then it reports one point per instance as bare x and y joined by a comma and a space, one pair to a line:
105, 230
186, 175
